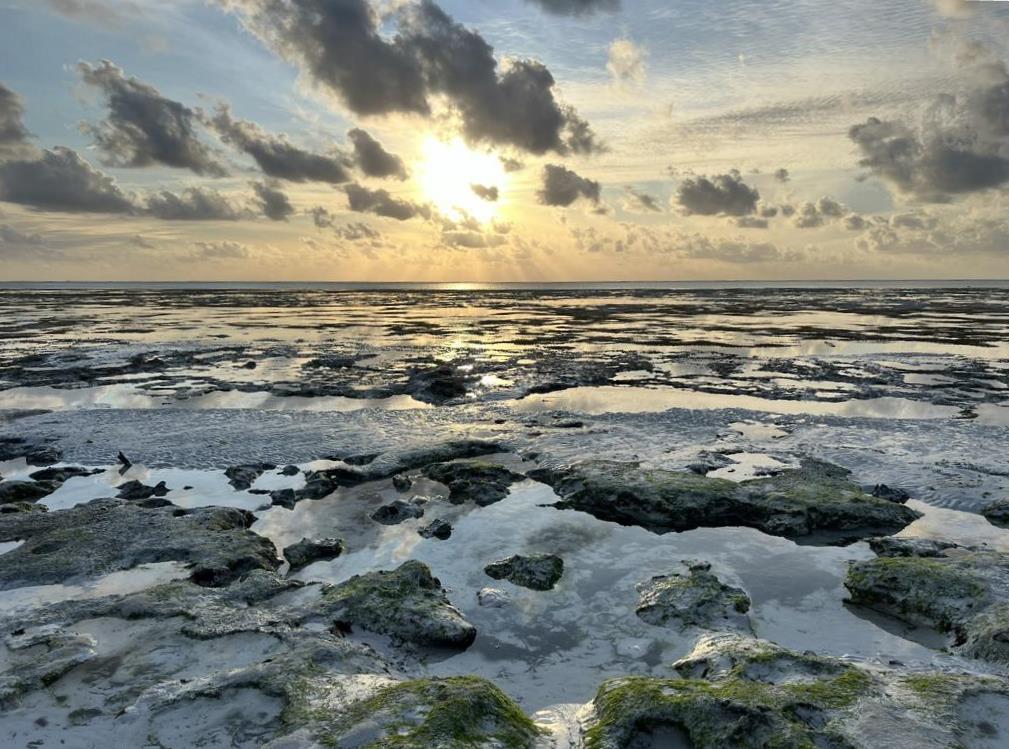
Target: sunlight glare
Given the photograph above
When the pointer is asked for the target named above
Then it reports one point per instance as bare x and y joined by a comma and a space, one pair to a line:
448, 172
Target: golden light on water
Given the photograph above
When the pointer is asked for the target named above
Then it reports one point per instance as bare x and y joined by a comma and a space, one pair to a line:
448, 173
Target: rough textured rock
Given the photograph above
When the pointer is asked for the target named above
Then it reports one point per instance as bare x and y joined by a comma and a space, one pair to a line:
399, 511
136, 490
39, 658
307, 551
35, 453
474, 481
816, 501
493, 598
437, 385
694, 598
439, 529
536, 571
997, 513
960, 591
734, 691
402, 483
16, 492
243, 477
107, 535
890, 493
319, 484
407, 604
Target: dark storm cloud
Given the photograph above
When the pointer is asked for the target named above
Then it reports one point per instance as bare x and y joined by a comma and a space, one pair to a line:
373, 159
722, 194
277, 156
576, 7
13, 134
381, 203
60, 180
562, 187
338, 43
193, 204
272, 201
490, 194
144, 128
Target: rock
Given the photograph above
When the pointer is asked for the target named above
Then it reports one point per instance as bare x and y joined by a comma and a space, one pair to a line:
243, 477
135, 490
997, 513
959, 591
890, 494
439, 529
284, 498
62, 474
107, 535
816, 500
306, 551
437, 385
537, 571
399, 511
473, 481
493, 598
696, 598
402, 483
708, 461
407, 604
735, 691
891, 546
19, 492
40, 658
320, 484
290, 471
34, 453
122, 460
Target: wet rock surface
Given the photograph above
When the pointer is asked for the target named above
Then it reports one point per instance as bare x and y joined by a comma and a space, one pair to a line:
535, 571
439, 529
816, 500
963, 592
308, 551
997, 513
693, 598
399, 511
474, 481
108, 535
734, 691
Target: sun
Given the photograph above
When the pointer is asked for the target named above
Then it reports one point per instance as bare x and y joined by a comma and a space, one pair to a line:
460, 182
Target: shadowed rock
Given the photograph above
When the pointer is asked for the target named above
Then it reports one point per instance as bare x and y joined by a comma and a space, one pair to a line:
399, 511
474, 481
696, 598
136, 490
997, 513
816, 501
43, 483
307, 551
439, 529
536, 572
243, 477
107, 535
959, 591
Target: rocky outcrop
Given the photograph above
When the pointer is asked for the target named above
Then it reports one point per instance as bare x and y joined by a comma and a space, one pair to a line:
136, 490
693, 598
308, 551
960, 591
997, 513
42, 484
438, 529
473, 481
407, 604
107, 535
243, 477
816, 501
39, 658
536, 571
399, 511
734, 691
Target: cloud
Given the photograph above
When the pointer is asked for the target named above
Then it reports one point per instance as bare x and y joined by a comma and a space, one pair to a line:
473, 240
576, 7
960, 235
10, 235
812, 215
490, 194
627, 62
322, 217
751, 222
381, 203
193, 204
373, 159
723, 194
782, 175
562, 187
14, 137
339, 44
735, 250
854, 222
276, 156
144, 128
272, 201
225, 250
357, 231
641, 201
95, 11
60, 180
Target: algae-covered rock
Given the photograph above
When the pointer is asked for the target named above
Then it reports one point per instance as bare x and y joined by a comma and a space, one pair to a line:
107, 535
960, 591
694, 598
474, 481
997, 513
307, 551
735, 691
535, 571
407, 604
816, 500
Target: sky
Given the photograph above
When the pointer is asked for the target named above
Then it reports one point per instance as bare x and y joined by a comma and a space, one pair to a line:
503, 140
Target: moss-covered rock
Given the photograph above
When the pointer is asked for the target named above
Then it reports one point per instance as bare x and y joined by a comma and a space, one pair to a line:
817, 500
535, 571
474, 481
960, 591
407, 604
734, 691
694, 598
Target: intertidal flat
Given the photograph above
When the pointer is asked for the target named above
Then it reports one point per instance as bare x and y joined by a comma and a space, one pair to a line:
571, 517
